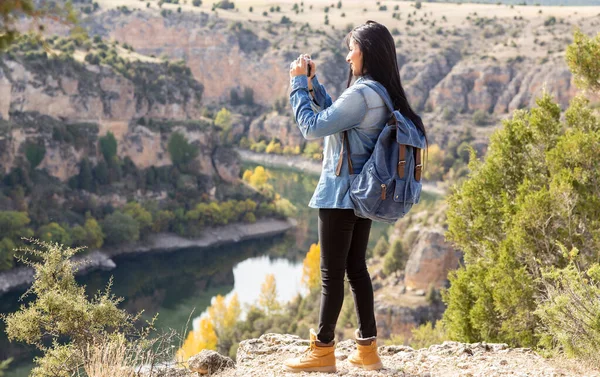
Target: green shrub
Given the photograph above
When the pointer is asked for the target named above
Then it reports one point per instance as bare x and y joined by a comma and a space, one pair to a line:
570, 308
427, 335
381, 247
180, 150
551, 20
35, 153
196, 3
53, 232
395, 259
480, 118
119, 228
66, 326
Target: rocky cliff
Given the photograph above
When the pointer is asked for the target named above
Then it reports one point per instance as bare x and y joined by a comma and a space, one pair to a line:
45, 99
485, 63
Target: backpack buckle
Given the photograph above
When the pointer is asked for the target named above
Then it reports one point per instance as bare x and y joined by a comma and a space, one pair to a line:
401, 165
418, 169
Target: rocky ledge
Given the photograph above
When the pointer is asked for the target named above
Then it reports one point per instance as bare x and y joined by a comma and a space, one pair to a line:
265, 356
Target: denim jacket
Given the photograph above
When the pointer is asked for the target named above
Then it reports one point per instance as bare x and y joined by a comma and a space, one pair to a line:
358, 110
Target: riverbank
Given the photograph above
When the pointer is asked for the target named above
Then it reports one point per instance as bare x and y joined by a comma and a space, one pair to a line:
307, 165
22, 277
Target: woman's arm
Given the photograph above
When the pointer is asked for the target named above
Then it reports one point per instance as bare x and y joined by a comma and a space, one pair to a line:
343, 114
320, 97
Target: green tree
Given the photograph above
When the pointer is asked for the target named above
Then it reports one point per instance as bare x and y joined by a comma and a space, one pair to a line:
582, 58
162, 221
53, 232
7, 247
381, 247
181, 151
86, 179
535, 194
78, 236
139, 214
108, 147
13, 226
395, 259
248, 96
35, 153
119, 227
94, 234
101, 173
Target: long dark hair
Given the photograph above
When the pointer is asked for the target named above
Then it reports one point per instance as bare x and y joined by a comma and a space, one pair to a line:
379, 61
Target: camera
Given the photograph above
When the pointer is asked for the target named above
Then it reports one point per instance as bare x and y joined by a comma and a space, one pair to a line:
307, 66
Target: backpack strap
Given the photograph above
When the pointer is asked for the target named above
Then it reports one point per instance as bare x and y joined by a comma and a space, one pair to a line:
418, 164
401, 160
380, 89
345, 145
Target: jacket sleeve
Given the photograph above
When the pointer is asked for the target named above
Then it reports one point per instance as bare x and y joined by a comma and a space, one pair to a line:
322, 100
343, 114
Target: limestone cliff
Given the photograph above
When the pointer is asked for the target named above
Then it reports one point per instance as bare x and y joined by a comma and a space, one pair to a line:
47, 98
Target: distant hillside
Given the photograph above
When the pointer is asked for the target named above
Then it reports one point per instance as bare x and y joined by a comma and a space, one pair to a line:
523, 2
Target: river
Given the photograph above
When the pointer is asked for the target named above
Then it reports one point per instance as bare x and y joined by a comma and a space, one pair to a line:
181, 284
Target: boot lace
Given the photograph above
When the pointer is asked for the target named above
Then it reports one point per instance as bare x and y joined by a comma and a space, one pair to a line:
307, 351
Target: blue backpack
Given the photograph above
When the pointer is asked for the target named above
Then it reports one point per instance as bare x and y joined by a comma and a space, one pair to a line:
390, 181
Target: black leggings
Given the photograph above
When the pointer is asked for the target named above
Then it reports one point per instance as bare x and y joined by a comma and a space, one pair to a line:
343, 238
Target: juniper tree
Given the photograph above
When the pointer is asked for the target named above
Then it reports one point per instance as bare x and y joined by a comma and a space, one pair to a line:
535, 194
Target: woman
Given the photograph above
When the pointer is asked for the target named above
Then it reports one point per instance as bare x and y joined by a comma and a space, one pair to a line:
343, 236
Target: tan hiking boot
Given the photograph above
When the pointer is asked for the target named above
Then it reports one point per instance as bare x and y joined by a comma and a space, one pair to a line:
365, 356
317, 358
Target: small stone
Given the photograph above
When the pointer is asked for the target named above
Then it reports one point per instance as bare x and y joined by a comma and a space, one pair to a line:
503, 362
208, 362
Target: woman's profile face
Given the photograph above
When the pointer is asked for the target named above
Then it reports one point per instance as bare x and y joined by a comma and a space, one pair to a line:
355, 58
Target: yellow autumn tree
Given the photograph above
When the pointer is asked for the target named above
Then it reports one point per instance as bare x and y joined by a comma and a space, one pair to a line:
311, 267
197, 340
268, 295
247, 175
224, 316
435, 163
259, 177
256, 178
216, 328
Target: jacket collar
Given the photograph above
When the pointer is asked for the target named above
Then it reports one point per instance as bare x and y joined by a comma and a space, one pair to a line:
363, 78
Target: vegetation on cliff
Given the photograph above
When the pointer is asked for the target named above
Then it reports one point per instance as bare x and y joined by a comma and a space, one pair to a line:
73, 331
527, 221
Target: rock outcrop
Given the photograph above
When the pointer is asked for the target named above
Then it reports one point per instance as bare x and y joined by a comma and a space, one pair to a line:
431, 258
265, 356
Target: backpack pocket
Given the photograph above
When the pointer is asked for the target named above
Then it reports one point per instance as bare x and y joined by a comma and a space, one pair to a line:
368, 190
407, 191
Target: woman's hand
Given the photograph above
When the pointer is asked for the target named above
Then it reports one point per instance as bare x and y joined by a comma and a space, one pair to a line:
300, 66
